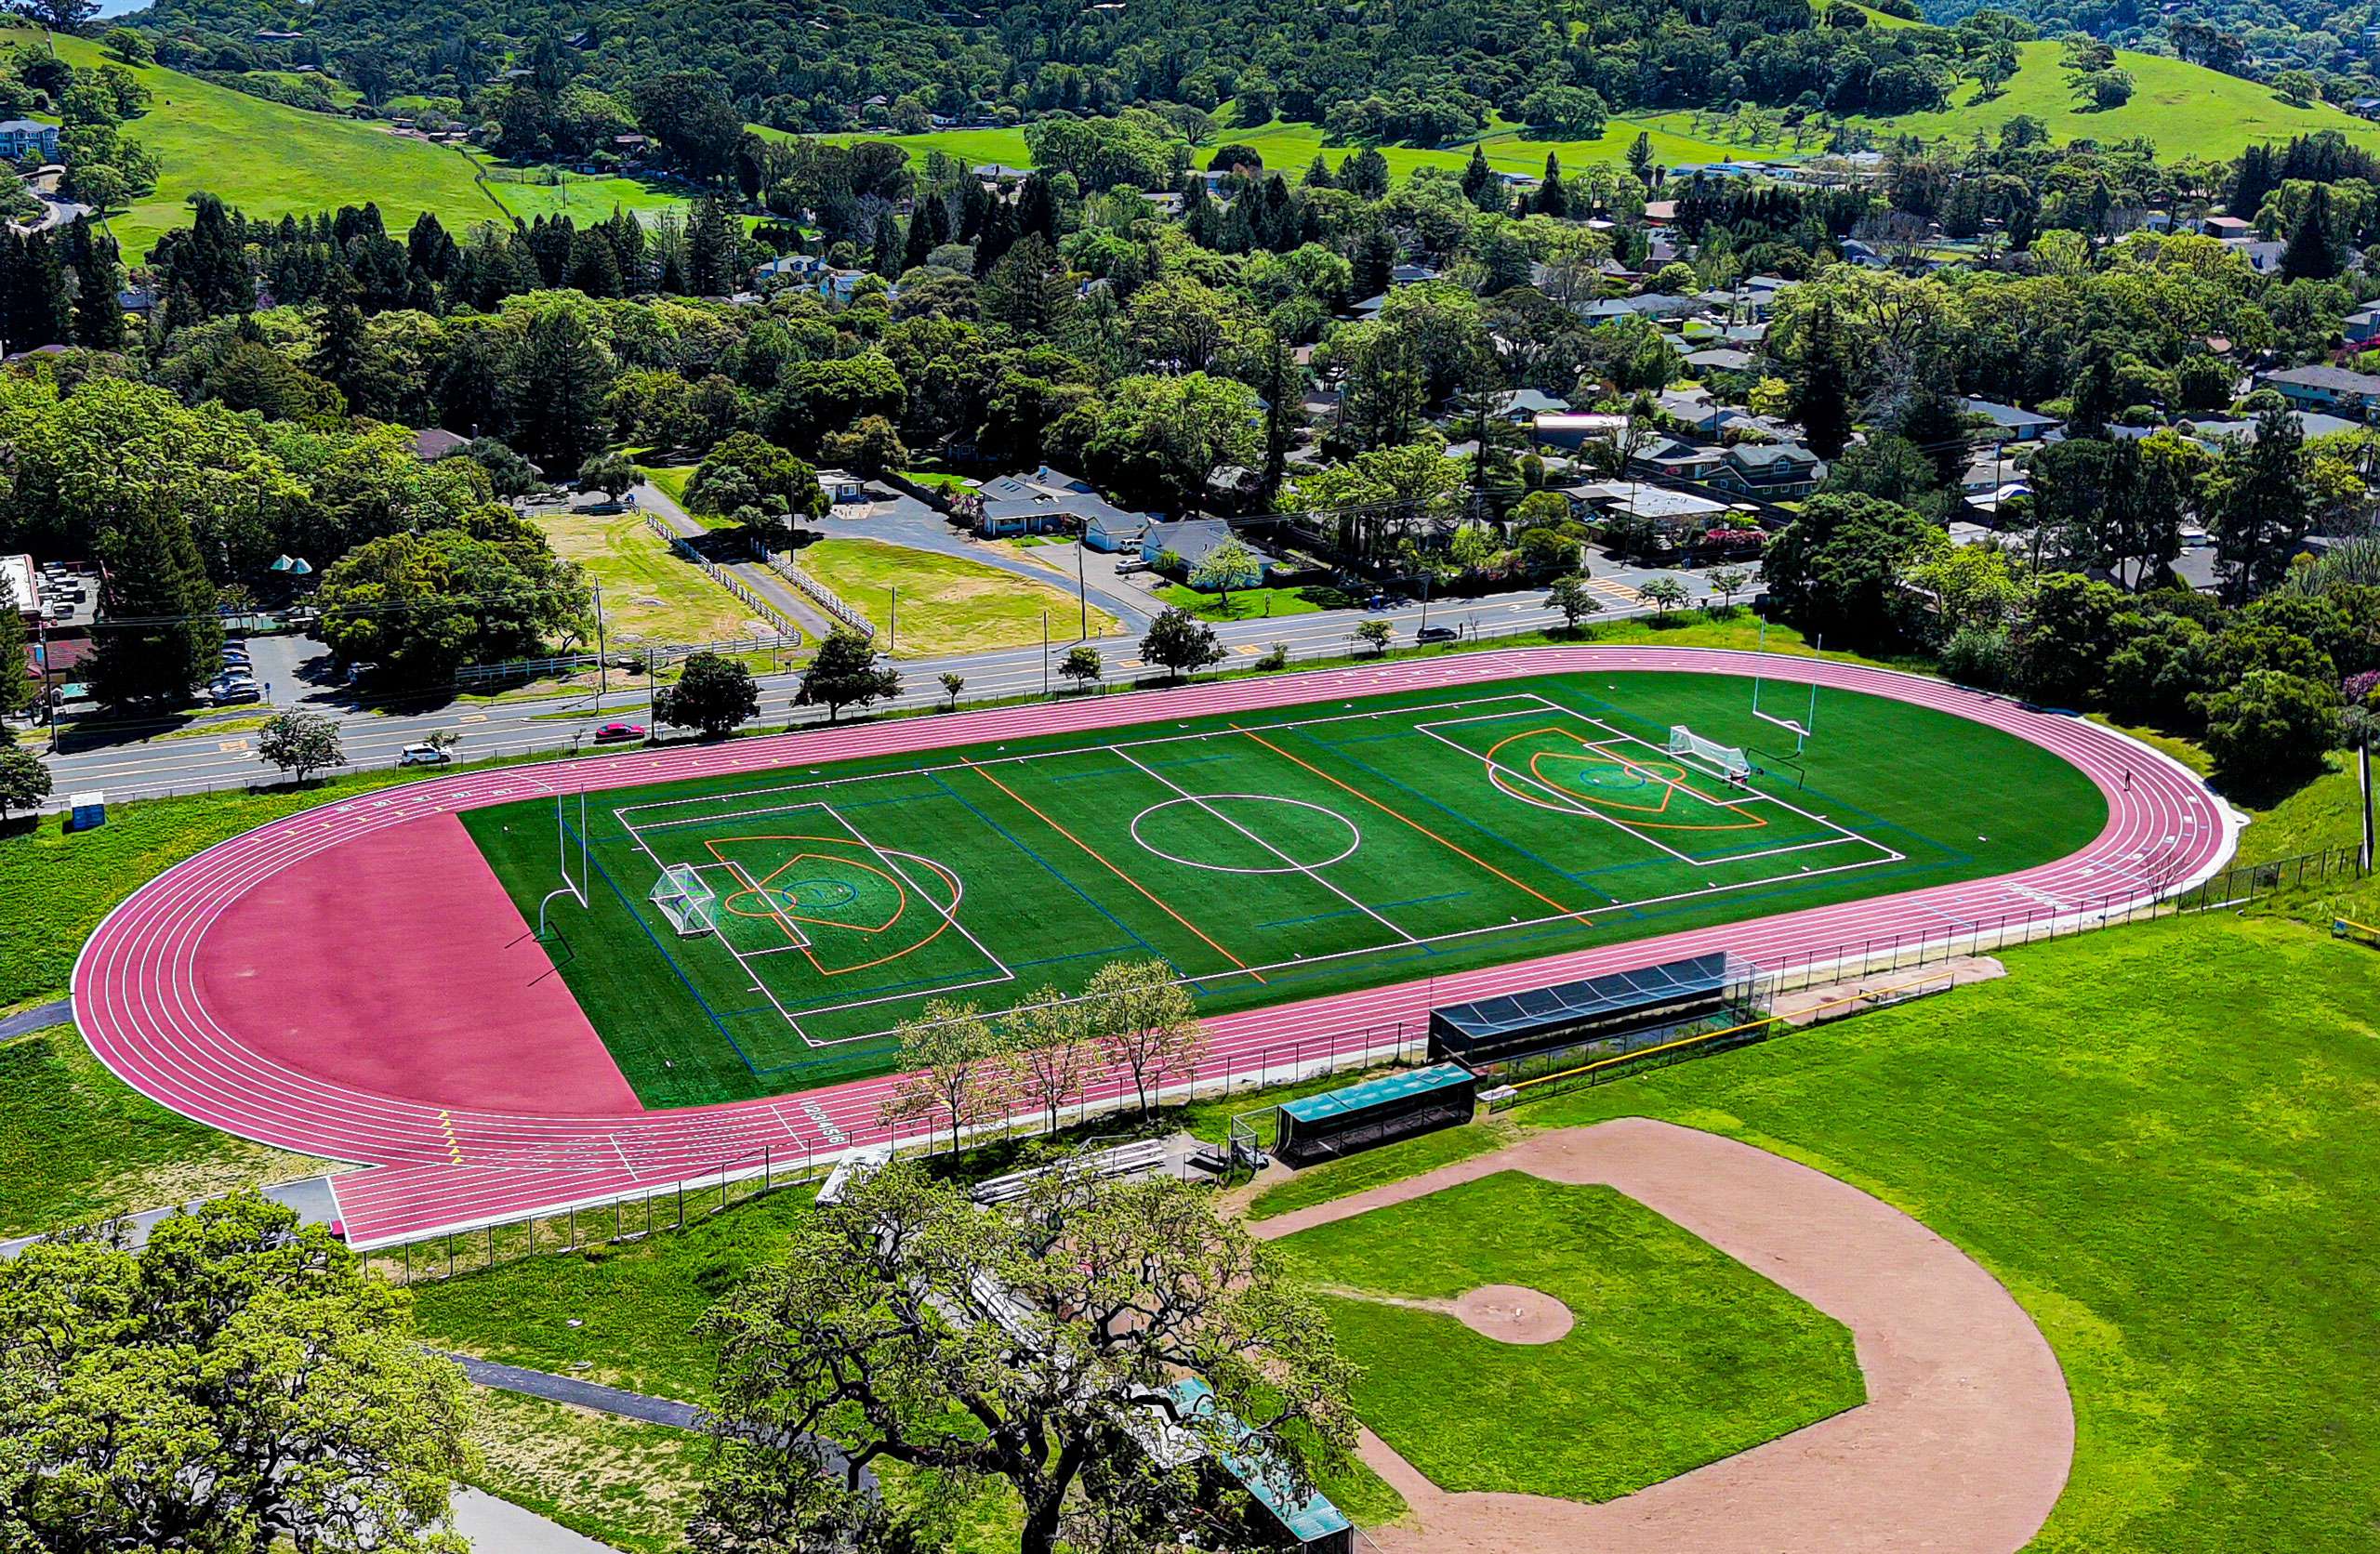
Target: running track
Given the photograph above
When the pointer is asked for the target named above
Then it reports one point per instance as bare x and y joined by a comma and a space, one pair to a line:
445, 1164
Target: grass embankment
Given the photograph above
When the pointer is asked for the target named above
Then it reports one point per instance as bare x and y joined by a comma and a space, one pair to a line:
651, 594
76, 1143
271, 160
947, 603
630, 1485
1253, 604
2157, 1137
1681, 1355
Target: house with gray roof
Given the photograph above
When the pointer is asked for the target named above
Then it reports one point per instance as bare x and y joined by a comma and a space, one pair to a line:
1181, 548
1043, 501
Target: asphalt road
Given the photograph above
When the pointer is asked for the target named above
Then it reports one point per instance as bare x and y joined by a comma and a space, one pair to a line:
133, 763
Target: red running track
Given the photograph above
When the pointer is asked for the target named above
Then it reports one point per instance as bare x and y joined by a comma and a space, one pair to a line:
174, 1007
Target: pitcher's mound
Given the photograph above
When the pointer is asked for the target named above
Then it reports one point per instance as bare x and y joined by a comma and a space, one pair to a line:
1513, 1313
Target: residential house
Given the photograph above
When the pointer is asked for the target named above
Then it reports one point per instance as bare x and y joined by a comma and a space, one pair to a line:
1410, 274
2327, 388
1113, 532
1523, 406
1681, 461
1724, 359
432, 444
2212, 431
2010, 423
1044, 501
23, 138
1772, 471
1181, 548
2224, 227
1652, 305
18, 586
843, 487
1575, 429
2362, 326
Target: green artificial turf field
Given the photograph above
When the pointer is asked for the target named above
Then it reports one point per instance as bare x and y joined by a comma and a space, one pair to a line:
1265, 856
1680, 1354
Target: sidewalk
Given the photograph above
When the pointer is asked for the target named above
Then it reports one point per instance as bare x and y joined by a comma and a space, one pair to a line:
311, 1197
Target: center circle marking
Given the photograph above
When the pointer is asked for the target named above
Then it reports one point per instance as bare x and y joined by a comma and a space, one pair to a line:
1355, 837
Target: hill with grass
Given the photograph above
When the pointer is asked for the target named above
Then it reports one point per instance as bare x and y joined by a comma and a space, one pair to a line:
271, 160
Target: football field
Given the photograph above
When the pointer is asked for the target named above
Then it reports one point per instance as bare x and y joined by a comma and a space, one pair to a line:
1262, 856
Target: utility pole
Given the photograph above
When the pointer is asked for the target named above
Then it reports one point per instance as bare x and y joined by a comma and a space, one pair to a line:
1082, 585
892, 620
1045, 654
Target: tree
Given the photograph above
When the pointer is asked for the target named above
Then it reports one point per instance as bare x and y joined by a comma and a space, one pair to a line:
1640, 159
746, 470
300, 742
2268, 729
953, 1064
1571, 596
952, 685
171, 640
421, 605
1836, 569
238, 1383
1727, 582
17, 690
845, 673
2311, 254
1050, 1052
98, 315
566, 373
1666, 593
1821, 397
1229, 565
1374, 634
58, 16
1144, 1019
614, 474
1036, 1347
24, 781
2257, 502
1180, 643
713, 693
2063, 640
1081, 665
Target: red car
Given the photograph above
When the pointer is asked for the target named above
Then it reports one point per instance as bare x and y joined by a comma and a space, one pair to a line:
615, 733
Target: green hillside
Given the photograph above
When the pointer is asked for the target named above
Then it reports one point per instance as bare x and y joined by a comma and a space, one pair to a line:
2187, 110
271, 160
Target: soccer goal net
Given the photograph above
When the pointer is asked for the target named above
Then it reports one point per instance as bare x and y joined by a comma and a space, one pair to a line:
685, 901
1728, 758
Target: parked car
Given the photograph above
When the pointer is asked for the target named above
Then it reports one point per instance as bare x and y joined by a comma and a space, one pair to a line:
1438, 634
618, 733
235, 695
423, 755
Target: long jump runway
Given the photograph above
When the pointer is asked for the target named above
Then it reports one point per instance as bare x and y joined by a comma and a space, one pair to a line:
446, 1057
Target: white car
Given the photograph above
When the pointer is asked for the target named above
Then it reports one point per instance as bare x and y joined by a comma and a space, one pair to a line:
423, 755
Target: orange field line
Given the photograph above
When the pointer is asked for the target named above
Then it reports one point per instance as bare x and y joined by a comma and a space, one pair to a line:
1154, 899
1394, 814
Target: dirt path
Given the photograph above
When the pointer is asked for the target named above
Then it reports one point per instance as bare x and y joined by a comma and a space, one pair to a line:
1961, 1447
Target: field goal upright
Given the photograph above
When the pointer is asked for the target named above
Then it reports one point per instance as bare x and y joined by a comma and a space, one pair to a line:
1800, 728
682, 896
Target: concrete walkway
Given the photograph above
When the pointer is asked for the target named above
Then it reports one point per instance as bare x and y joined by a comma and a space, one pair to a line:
41, 1017
496, 1526
311, 1197
580, 1394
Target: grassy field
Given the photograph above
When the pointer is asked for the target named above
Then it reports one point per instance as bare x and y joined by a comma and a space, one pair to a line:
271, 160
77, 1143
2185, 110
1353, 845
948, 604
1681, 1355
2156, 1136
585, 198
649, 593
628, 1483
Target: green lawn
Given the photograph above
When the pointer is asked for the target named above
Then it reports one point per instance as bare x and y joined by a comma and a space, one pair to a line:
586, 198
77, 1143
1250, 604
947, 603
1356, 843
651, 594
1680, 1356
1359, 1173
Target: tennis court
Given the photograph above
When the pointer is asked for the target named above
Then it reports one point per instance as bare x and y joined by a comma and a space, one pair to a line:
799, 914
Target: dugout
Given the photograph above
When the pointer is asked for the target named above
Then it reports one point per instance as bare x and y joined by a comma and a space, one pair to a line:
1394, 1106
1616, 1011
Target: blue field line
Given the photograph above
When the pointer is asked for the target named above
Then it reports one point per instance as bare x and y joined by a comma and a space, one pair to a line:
1496, 837
1071, 954
1383, 906
708, 1013
1052, 870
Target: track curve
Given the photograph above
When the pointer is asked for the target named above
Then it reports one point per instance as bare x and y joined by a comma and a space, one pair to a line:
136, 993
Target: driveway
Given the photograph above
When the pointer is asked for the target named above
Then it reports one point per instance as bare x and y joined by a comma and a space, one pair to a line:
896, 518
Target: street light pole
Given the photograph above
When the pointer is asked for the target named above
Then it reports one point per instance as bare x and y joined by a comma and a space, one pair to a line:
1045, 654
1082, 586
603, 659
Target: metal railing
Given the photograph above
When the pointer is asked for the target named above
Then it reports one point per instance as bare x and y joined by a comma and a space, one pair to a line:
723, 577
834, 604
